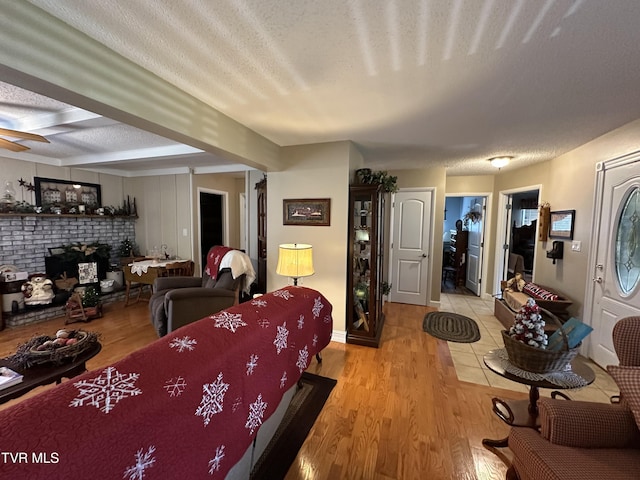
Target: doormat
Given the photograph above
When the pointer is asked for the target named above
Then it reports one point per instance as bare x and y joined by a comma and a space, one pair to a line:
296, 424
451, 327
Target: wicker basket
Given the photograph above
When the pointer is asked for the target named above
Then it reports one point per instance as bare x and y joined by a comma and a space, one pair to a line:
538, 360
28, 355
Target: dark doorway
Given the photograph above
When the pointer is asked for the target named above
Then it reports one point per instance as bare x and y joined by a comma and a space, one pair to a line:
211, 223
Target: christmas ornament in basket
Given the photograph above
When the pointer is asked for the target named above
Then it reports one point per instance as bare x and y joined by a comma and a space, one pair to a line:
526, 342
65, 346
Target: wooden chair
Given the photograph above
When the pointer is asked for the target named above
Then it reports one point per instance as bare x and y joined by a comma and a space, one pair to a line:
179, 269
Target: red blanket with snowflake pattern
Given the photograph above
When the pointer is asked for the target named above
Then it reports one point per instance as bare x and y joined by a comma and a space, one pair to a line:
185, 407
214, 259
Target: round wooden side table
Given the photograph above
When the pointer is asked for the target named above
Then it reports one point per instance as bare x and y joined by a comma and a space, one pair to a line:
524, 413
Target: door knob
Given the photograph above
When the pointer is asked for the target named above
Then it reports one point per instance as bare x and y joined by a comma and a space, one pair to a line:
424, 255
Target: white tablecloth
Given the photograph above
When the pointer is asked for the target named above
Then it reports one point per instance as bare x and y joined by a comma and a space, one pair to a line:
140, 268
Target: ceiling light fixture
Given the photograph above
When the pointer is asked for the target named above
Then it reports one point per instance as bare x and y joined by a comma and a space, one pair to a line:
500, 162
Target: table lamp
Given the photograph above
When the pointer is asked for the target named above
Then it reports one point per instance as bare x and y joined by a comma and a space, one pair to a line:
295, 260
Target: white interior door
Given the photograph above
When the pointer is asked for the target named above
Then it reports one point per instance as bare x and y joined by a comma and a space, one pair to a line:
474, 247
410, 247
616, 255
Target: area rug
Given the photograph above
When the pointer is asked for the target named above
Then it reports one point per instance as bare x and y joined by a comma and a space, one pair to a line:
305, 407
451, 327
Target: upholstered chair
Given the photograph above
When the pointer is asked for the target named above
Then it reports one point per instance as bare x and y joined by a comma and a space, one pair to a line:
177, 301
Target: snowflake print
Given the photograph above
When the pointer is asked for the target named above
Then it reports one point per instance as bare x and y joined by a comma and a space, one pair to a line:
104, 392
230, 321
252, 364
212, 399
301, 322
184, 343
285, 294
214, 463
283, 379
175, 386
303, 359
317, 306
237, 403
327, 319
143, 461
256, 412
281, 338
315, 339
264, 323
258, 303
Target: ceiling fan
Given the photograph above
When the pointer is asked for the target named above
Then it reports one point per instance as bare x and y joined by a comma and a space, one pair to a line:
17, 147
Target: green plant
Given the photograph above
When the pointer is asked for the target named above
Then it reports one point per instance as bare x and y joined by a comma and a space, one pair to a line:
386, 288
388, 182
472, 216
86, 252
91, 297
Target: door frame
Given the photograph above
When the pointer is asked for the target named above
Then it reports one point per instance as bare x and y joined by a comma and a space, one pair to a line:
598, 198
502, 226
487, 235
225, 220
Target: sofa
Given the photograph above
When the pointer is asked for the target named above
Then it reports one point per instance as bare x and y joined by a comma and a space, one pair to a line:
192, 404
514, 297
586, 440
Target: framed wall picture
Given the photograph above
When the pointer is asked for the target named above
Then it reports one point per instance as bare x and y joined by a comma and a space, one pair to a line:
307, 211
66, 194
88, 272
561, 224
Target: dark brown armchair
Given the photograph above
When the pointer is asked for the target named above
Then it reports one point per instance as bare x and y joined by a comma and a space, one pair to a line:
178, 301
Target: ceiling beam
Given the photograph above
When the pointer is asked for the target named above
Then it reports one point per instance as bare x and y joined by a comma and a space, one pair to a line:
138, 154
45, 55
42, 121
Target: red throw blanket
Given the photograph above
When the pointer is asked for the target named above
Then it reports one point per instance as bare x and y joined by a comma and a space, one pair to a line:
214, 257
185, 407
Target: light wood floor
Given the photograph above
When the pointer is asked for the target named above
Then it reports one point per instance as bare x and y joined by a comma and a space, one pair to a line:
397, 412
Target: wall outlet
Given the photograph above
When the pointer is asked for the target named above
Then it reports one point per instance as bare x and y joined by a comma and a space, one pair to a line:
576, 245
184, 232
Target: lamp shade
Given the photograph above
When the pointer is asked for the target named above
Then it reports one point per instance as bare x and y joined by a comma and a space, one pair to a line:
362, 235
295, 260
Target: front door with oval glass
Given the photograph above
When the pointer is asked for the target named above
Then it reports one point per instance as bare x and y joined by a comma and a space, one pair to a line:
616, 267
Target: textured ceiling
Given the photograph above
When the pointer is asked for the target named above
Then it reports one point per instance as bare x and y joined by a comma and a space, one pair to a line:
413, 82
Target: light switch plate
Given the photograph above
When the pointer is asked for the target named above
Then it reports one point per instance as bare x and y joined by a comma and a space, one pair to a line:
576, 245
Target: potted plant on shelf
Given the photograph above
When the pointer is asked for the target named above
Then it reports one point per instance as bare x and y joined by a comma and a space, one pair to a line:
366, 176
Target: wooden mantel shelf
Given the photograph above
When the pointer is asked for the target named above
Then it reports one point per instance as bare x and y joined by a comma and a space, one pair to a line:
65, 215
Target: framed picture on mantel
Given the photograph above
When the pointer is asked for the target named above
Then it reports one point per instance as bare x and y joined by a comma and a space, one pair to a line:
66, 194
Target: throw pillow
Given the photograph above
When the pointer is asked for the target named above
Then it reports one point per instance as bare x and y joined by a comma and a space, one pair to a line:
628, 381
539, 292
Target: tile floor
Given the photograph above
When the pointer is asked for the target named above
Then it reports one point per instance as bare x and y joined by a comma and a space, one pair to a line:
467, 357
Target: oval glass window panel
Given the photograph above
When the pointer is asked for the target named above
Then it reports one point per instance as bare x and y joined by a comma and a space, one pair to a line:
627, 253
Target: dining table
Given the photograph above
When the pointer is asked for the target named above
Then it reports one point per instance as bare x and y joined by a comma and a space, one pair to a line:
144, 272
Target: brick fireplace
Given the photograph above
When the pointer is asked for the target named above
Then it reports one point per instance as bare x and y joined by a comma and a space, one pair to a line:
25, 241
